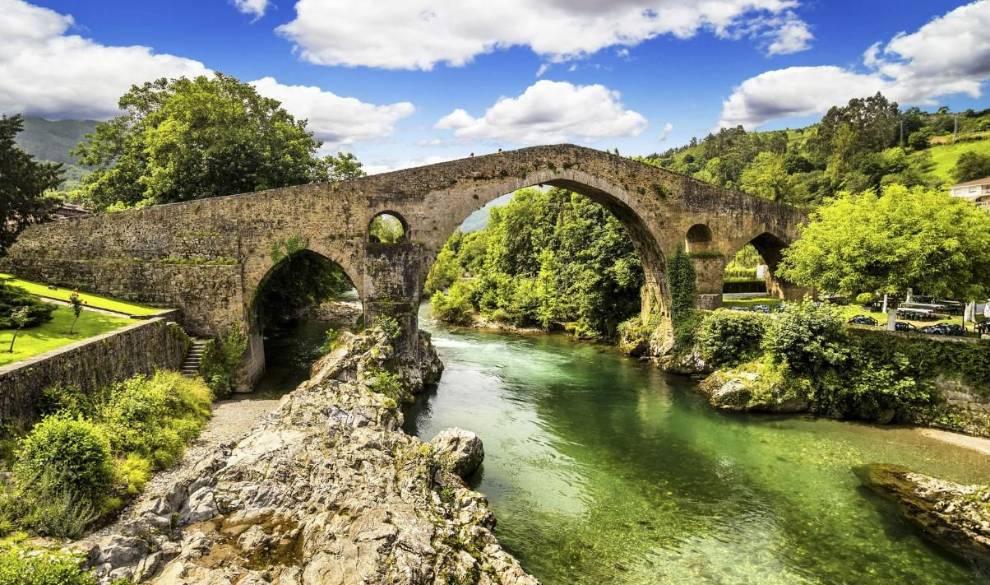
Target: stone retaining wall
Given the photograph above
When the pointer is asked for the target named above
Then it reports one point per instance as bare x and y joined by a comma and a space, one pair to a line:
90, 364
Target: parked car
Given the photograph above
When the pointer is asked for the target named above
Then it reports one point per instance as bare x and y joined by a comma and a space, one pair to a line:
863, 320
904, 326
944, 329
761, 309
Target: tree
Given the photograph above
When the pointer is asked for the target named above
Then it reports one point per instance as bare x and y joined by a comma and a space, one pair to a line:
681, 278
342, 167
21, 317
184, 139
23, 184
767, 177
971, 166
916, 238
77, 306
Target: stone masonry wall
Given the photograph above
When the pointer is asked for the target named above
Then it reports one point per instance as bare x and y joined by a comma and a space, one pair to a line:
90, 364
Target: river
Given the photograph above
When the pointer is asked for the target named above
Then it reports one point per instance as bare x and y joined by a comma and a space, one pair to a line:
602, 469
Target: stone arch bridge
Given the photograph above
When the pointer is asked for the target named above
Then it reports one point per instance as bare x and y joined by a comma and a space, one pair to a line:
210, 257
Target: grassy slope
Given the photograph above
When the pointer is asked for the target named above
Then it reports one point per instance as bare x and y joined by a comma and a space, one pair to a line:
95, 301
55, 333
945, 157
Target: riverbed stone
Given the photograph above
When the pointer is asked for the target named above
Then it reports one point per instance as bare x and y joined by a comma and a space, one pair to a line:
954, 516
459, 451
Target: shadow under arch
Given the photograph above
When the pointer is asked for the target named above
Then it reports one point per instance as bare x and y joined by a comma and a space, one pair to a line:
655, 296
302, 278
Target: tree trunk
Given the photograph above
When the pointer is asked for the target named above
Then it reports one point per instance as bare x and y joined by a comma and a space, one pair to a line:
12, 340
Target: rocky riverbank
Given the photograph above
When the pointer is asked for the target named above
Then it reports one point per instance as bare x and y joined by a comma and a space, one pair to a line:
324, 489
954, 516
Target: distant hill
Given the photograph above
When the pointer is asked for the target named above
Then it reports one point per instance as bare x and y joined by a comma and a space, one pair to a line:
52, 140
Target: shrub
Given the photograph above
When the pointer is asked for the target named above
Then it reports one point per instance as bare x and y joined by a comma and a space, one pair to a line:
13, 298
454, 305
388, 384
222, 360
726, 338
75, 454
681, 278
155, 416
19, 567
865, 298
809, 337
331, 339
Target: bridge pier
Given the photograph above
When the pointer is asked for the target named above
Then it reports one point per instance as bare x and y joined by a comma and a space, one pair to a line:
392, 274
709, 270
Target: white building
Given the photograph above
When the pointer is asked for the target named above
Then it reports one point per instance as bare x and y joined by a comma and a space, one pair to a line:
977, 191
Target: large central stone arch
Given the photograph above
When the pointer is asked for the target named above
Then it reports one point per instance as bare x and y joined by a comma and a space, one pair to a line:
209, 257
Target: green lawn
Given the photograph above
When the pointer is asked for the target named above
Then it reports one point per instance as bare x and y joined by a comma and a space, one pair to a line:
945, 156
55, 333
95, 301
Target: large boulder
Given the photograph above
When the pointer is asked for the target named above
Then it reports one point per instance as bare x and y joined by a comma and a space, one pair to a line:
327, 488
954, 516
756, 387
460, 452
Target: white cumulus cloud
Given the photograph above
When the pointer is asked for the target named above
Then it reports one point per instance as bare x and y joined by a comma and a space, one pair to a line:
949, 55
255, 8
46, 71
418, 34
549, 111
334, 119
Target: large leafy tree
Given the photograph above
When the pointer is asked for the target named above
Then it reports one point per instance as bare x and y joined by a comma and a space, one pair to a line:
904, 238
185, 139
23, 183
971, 166
767, 177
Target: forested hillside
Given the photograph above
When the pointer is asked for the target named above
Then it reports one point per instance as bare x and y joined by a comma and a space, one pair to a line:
866, 144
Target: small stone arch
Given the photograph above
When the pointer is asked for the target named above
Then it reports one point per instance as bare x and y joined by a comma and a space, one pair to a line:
388, 227
699, 239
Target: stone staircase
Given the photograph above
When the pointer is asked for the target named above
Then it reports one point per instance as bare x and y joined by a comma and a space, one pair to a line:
190, 366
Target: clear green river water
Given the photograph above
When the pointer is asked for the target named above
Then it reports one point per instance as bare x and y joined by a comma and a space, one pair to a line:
604, 470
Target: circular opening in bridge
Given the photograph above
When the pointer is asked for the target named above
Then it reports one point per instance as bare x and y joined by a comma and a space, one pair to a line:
301, 308
699, 238
387, 228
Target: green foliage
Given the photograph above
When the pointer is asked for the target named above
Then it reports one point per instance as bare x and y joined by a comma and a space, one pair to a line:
865, 298
809, 337
342, 167
331, 338
21, 567
971, 166
727, 338
283, 249
389, 325
154, 417
23, 185
454, 305
681, 279
75, 452
766, 176
221, 361
13, 298
186, 139
77, 465
386, 229
388, 384
904, 238
546, 259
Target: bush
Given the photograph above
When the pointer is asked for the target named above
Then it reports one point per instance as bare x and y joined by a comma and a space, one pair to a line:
222, 360
12, 298
19, 567
865, 298
154, 417
809, 337
726, 338
75, 453
388, 384
454, 305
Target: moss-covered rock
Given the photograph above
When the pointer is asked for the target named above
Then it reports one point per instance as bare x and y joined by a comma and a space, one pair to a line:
954, 516
757, 387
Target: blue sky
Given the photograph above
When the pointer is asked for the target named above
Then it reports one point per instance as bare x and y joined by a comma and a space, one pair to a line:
419, 76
